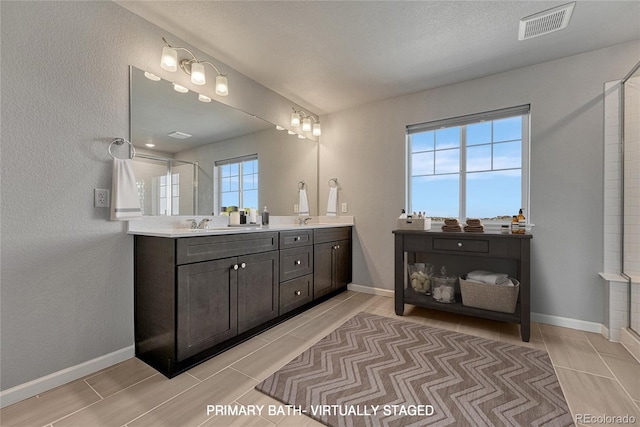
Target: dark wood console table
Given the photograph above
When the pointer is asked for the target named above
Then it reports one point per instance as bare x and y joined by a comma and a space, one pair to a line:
462, 253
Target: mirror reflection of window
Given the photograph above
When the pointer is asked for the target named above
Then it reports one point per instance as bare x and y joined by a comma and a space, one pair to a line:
237, 183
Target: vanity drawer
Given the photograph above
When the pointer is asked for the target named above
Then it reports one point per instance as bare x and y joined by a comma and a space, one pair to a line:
295, 293
293, 239
196, 249
326, 235
296, 262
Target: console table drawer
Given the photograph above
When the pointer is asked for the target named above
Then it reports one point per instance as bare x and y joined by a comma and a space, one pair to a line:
293, 239
461, 245
295, 293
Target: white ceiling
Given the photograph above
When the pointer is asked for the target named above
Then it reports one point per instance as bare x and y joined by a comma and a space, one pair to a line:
331, 55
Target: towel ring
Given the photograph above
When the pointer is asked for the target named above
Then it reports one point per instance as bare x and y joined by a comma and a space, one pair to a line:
301, 185
120, 141
334, 181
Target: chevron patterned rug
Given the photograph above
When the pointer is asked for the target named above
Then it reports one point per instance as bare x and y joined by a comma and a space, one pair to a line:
380, 371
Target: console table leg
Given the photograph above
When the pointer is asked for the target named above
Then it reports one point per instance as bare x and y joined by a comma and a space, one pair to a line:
525, 331
399, 275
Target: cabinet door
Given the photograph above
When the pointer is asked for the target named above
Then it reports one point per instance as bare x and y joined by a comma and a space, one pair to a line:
342, 263
257, 289
207, 300
323, 272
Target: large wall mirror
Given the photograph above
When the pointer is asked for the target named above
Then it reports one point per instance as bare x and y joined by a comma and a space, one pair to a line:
207, 155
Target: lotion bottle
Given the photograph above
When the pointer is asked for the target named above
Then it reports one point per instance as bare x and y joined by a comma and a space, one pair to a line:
265, 216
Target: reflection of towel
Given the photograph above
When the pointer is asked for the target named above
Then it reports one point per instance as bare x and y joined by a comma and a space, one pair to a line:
332, 203
303, 207
489, 277
125, 204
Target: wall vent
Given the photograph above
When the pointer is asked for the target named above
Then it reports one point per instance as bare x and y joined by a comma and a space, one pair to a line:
545, 22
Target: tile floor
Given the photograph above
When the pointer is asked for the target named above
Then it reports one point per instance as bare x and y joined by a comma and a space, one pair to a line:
598, 377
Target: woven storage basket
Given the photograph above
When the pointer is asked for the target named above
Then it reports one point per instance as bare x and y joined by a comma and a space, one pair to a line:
414, 224
489, 297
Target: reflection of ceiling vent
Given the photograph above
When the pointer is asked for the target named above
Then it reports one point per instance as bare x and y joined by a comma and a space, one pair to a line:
179, 135
545, 22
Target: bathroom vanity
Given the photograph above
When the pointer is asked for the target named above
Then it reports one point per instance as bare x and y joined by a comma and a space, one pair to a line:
199, 293
461, 253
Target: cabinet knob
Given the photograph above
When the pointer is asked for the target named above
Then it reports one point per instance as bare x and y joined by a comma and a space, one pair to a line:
298, 262
459, 244
235, 267
337, 246
243, 265
298, 293
295, 239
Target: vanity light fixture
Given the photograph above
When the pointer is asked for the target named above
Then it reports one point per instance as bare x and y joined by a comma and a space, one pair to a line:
304, 118
193, 67
179, 88
203, 98
151, 76
278, 127
302, 137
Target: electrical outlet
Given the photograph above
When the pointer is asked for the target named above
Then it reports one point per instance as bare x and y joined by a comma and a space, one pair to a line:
344, 208
296, 208
100, 198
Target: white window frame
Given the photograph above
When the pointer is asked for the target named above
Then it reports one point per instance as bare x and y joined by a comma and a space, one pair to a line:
462, 121
218, 179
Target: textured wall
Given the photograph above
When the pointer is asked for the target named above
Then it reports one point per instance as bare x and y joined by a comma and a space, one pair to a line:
67, 271
365, 148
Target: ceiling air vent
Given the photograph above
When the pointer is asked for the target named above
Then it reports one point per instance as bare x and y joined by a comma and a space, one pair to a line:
179, 135
545, 22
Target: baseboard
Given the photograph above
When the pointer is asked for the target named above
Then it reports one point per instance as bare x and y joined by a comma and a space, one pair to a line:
56, 379
567, 322
370, 290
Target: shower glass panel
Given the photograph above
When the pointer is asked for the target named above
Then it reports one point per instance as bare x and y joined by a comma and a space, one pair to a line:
165, 186
631, 192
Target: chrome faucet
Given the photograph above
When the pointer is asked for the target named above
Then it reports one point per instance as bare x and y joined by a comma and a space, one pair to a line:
203, 223
193, 224
304, 221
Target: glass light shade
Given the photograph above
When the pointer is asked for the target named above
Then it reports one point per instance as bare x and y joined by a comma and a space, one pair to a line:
295, 119
203, 98
306, 124
179, 88
197, 74
151, 76
316, 129
222, 86
169, 59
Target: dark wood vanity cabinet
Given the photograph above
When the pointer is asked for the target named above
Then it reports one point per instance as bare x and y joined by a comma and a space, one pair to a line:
332, 260
197, 296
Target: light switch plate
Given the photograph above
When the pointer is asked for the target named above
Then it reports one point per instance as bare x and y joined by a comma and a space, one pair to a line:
100, 198
344, 208
296, 208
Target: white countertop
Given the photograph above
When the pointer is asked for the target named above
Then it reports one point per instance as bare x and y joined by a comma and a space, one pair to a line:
186, 232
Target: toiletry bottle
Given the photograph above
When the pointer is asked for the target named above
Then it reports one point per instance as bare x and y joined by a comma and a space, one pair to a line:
522, 223
265, 216
514, 225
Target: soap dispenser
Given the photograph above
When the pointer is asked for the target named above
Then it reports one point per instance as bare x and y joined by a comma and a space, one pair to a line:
265, 216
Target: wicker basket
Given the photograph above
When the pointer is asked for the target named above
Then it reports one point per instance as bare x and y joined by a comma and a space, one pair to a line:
489, 297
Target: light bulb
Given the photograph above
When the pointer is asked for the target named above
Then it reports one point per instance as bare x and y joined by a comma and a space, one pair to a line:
316, 129
222, 85
306, 124
151, 76
203, 98
295, 119
169, 59
197, 73
179, 88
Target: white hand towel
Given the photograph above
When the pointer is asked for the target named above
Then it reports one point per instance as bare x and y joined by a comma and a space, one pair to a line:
489, 277
303, 206
332, 203
125, 203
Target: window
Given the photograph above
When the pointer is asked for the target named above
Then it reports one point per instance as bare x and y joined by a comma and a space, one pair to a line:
237, 183
169, 194
470, 167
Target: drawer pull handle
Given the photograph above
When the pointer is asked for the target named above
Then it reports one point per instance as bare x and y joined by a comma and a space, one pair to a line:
298, 262
243, 265
459, 244
235, 267
298, 293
